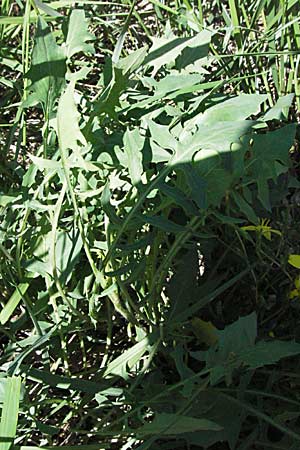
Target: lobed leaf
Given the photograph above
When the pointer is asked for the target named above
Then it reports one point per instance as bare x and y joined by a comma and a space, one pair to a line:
48, 68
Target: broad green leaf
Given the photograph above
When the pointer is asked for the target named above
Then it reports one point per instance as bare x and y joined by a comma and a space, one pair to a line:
36, 267
209, 167
213, 406
173, 83
281, 109
173, 424
10, 411
218, 136
194, 54
161, 135
13, 302
67, 251
8, 199
109, 99
69, 133
68, 246
237, 348
48, 67
264, 353
294, 260
165, 50
133, 145
269, 158
179, 198
182, 288
43, 163
198, 186
158, 153
78, 35
234, 109
237, 336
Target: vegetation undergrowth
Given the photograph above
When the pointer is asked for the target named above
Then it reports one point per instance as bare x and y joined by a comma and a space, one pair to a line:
149, 251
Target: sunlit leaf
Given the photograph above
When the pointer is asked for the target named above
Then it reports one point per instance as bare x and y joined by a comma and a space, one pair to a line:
78, 35
294, 260
48, 67
10, 411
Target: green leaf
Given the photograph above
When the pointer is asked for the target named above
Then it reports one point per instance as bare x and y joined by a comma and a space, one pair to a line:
4, 386
78, 35
172, 424
161, 222
172, 83
182, 289
68, 246
120, 41
280, 111
165, 50
213, 406
110, 97
67, 251
223, 357
48, 68
233, 109
197, 185
8, 199
49, 11
133, 145
179, 198
133, 61
237, 348
162, 136
270, 157
237, 336
64, 383
43, 163
195, 51
69, 133
294, 260
244, 207
218, 136
264, 353
208, 166
10, 411
122, 365
13, 302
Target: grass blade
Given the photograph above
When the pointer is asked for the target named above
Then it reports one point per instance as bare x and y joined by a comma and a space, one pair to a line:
10, 411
